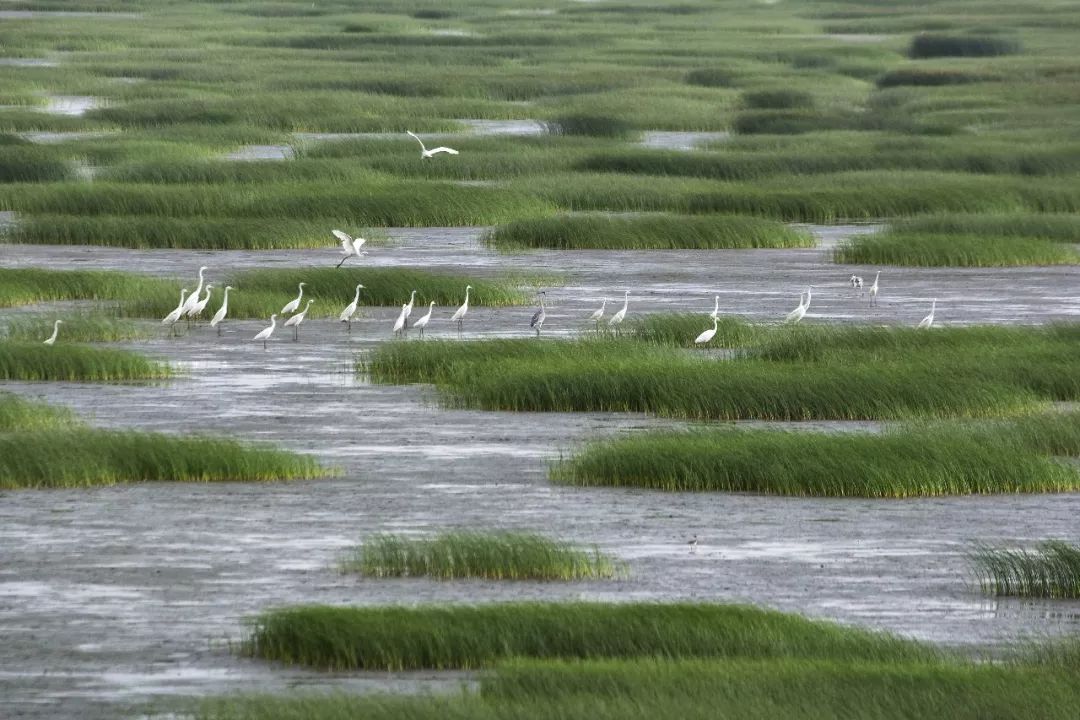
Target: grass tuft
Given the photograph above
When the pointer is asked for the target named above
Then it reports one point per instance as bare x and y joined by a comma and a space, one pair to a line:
26, 415
75, 363
934, 46
1051, 570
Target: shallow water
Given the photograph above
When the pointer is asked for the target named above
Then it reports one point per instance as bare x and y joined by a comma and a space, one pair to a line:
114, 597
72, 105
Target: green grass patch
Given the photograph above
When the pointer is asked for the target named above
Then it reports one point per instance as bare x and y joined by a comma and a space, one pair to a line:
933, 45
467, 554
1043, 226
75, 363
1050, 570
88, 458
441, 637
27, 415
682, 328
592, 126
897, 247
647, 232
24, 286
76, 327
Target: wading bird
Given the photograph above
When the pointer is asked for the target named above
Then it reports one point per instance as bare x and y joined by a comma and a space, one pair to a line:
295, 320
215, 322
265, 334
539, 316
172, 317
929, 319
350, 309
422, 322
804, 304
399, 324
197, 309
597, 314
715, 308
692, 542
874, 289
194, 297
292, 306
459, 316
350, 246
425, 153
618, 317
55, 330
408, 309
708, 334
856, 282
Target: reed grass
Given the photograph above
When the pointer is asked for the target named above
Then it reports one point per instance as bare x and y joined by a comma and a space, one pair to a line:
19, 414
82, 457
682, 328
449, 637
647, 232
591, 125
1050, 570
468, 554
932, 45
896, 247
80, 327
1058, 228
23, 286
75, 363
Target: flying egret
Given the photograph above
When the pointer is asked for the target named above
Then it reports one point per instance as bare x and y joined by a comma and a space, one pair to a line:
172, 317
539, 316
265, 334
708, 334
350, 309
715, 308
874, 289
295, 320
194, 297
425, 153
222, 311
408, 309
422, 322
459, 315
929, 319
350, 246
399, 324
292, 306
797, 314
597, 314
55, 330
197, 309
856, 282
618, 317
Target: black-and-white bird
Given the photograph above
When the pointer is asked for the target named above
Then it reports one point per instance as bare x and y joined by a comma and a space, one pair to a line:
539, 316
693, 543
856, 282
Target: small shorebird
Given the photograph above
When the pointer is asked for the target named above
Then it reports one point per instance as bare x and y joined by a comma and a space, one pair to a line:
692, 542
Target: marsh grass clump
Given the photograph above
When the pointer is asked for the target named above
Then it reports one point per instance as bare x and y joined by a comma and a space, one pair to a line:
465, 637
930, 77
1050, 570
489, 555
1061, 227
896, 247
794, 121
23, 286
84, 457
75, 363
27, 415
681, 328
933, 45
77, 327
778, 99
591, 125
647, 232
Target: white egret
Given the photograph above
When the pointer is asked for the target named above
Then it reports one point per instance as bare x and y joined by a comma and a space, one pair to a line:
715, 308
350, 309
172, 317
708, 334
425, 153
55, 330
856, 282
295, 320
197, 309
350, 246
422, 322
194, 297
539, 316
804, 304
618, 317
222, 311
459, 315
265, 334
597, 314
693, 543
929, 319
292, 306
874, 289
408, 309
399, 324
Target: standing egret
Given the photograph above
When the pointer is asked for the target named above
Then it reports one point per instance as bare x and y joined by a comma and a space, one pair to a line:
265, 334
194, 297
597, 314
693, 543
804, 304
539, 316
459, 316
715, 308
929, 319
408, 309
874, 289
292, 306
618, 317
55, 330
350, 246
222, 311
856, 282
425, 153
708, 334
172, 317
295, 320
350, 309
197, 309
399, 324
422, 322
